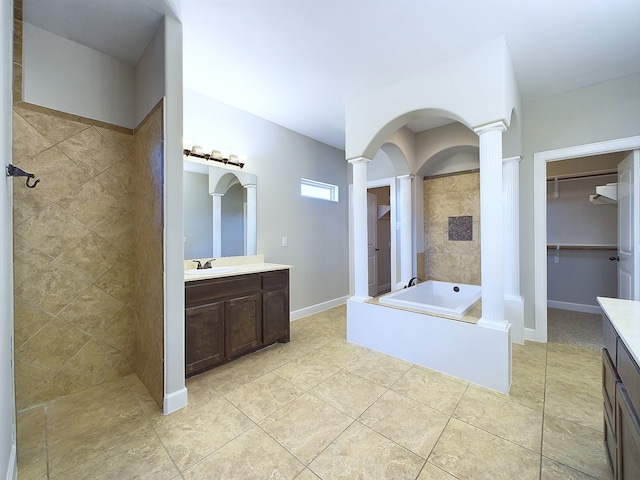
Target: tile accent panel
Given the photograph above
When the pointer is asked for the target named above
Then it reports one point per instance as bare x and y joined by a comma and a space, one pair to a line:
448, 260
74, 317
149, 252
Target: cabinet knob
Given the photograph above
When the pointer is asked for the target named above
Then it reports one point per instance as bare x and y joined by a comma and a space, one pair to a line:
614, 259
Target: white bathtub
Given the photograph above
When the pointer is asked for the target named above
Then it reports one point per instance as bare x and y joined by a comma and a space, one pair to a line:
451, 299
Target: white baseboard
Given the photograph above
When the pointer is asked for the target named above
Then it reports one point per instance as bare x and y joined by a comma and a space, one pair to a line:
575, 307
12, 467
533, 335
320, 307
175, 401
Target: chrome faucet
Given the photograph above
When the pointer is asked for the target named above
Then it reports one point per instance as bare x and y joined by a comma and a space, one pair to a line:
412, 282
206, 265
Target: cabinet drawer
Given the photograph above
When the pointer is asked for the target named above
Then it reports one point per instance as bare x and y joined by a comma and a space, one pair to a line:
628, 429
610, 338
277, 279
609, 380
205, 291
610, 448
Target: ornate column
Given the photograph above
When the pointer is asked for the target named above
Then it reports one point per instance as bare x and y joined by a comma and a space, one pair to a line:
513, 302
406, 218
491, 223
359, 199
251, 220
217, 224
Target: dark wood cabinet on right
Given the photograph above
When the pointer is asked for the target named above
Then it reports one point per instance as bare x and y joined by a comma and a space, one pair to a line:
227, 317
621, 394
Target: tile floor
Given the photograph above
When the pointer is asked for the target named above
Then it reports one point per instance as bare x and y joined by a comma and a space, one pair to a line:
320, 407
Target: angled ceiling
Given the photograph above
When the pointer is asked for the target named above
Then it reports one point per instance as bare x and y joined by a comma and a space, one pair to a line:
298, 63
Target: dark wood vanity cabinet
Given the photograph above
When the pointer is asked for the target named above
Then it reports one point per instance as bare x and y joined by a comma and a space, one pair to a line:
227, 317
621, 394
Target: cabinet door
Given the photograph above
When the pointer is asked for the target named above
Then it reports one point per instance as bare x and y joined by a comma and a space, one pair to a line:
628, 430
243, 324
204, 336
275, 311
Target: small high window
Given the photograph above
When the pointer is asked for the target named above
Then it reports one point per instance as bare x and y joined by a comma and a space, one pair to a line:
314, 189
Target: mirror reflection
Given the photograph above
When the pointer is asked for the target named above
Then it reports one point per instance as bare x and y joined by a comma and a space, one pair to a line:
219, 211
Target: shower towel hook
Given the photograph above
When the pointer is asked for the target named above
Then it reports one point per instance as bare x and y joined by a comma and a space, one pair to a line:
18, 172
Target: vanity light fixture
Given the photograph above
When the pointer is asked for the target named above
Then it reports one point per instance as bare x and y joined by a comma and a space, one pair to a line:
222, 156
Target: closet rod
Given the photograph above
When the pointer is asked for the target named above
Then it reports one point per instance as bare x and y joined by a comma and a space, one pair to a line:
582, 247
580, 176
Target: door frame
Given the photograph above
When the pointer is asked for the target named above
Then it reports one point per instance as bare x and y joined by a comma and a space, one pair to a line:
540, 159
391, 183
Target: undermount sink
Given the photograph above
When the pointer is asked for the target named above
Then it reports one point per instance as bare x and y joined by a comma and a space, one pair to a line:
210, 271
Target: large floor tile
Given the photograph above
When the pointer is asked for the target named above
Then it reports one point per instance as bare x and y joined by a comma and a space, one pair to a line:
468, 452
306, 426
578, 399
574, 445
361, 453
431, 388
339, 353
189, 438
252, 455
348, 393
431, 472
504, 418
407, 422
142, 457
262, 397
379, 368
307, 371
234, 374
556, 471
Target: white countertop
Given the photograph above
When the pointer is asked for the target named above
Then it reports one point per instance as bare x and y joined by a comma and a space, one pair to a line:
240, 270
625, 318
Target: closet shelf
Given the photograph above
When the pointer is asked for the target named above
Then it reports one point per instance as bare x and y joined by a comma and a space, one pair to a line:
561, 246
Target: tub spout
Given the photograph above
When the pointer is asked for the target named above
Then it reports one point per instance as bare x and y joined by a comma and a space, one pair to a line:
412, 282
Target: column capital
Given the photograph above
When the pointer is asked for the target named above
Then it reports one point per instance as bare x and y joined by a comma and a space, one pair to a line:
408, 176
353, 161
215, 194
515, 159
250, 185
499, 126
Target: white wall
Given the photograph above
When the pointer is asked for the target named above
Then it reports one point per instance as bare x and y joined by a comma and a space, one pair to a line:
316, 229
69, 77
149, 76
573, 220
8, 466
600, 112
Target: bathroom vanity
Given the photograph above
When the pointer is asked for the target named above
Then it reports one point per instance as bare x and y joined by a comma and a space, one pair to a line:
621, 386
230, 314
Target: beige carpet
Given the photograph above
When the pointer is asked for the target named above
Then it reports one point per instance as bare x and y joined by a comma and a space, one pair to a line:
574, 328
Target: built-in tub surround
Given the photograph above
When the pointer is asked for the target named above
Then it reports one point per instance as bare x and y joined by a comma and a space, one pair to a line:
452, 239
452, 300
73, 254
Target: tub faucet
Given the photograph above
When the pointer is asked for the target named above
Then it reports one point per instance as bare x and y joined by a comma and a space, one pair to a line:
412, 282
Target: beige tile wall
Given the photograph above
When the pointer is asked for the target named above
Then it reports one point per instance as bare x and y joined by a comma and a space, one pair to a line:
73, 237
444, 197
149, 226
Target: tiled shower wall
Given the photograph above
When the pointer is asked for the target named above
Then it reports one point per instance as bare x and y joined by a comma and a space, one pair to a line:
73, 254
456, 195
149, 247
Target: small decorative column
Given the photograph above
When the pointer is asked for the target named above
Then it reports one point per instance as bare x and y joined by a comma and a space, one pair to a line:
513, 302
406, 217
251, 220
217, 224
491, 222
360, 227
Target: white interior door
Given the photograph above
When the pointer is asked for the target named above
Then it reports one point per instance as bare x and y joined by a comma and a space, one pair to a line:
372, 243
628, 227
